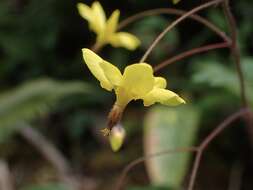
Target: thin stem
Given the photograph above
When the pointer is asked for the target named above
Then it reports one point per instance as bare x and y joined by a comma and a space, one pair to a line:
170, 11
234, 49
46, 149
195, 169
190, 53
201, 148
151, 156
96, 47
174, 23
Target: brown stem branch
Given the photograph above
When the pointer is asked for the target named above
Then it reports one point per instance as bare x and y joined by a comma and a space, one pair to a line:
170, 11
201, 148
142, 159
235, 50
174, 23
96, 47
190, 53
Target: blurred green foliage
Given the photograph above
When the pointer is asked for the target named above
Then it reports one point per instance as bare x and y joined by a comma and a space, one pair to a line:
31, 100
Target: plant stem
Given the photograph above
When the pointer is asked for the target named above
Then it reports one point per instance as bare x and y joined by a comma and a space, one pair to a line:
198, 149
195, 17
96, 47
235, 50
201, 148
144, 158
190, 53
46, 149
174, 23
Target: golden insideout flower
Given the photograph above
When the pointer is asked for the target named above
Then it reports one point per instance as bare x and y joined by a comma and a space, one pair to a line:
137, 82
106, 30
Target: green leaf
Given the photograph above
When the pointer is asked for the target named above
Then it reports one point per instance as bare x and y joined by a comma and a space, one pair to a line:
165, 129
147, 31
28, 101
216, 75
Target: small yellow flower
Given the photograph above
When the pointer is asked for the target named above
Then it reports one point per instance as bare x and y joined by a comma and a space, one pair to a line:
137, 82
106, 30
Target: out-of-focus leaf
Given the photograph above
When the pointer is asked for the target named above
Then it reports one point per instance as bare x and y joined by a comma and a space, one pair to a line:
219, 76
28, 101
218, 18
216, 75
165, 129
46, 187
147, 31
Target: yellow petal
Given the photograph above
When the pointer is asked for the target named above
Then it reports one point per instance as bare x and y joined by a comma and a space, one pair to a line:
160, 82
112, 23
126, 40
108, 75
98, 21
112, 73
162, 96
138, 79
85, 11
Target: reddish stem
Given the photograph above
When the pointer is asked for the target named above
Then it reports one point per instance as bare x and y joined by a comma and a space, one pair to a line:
142, 159
159, 11
201, 148
190, 53
174, 23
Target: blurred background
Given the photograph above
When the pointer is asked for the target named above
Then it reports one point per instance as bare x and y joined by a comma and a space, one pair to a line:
52, 108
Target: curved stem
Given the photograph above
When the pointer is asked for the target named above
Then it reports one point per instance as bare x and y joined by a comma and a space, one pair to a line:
170, 11
190, 53
234, 49
96, 47
204, 144
142, 159
173, 24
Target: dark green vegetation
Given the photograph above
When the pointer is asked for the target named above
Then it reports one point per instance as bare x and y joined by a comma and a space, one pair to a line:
44, 85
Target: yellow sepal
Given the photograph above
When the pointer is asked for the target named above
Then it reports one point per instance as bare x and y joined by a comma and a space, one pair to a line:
107, 74
162, 96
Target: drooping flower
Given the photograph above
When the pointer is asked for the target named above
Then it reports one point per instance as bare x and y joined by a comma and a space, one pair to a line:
106, 30
137, 82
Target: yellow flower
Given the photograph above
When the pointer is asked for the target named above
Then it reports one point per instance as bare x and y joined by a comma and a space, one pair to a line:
106, 30
137, 82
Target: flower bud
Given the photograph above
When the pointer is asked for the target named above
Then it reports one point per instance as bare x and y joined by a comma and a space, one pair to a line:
117, 137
